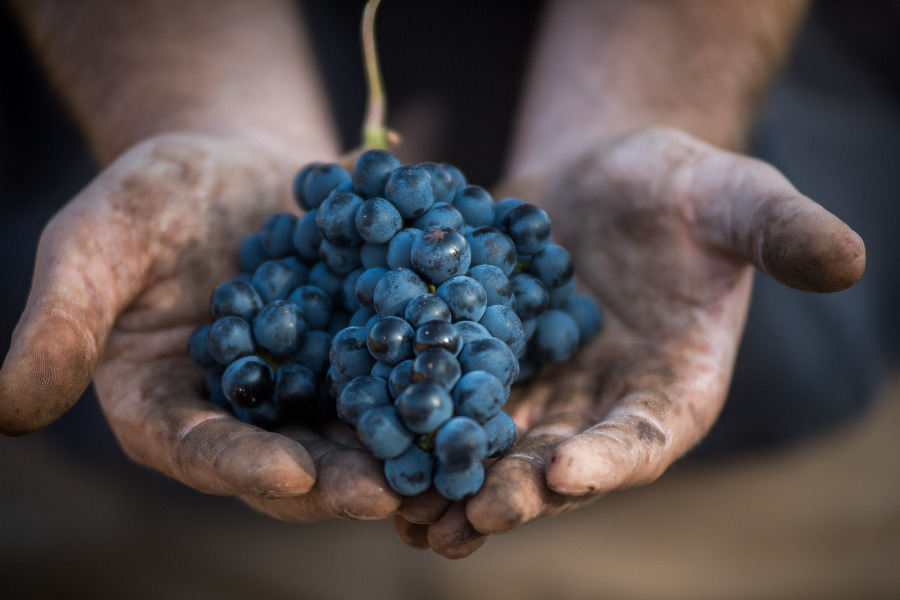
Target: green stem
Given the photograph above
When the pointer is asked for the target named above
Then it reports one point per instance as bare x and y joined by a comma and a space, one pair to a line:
375, 131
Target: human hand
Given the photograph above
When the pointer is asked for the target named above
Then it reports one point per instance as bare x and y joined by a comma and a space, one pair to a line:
123, 275
664, 231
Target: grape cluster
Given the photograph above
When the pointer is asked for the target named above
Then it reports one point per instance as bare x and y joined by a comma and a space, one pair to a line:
405, 301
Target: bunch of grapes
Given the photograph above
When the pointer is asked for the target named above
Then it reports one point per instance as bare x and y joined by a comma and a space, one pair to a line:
405, 301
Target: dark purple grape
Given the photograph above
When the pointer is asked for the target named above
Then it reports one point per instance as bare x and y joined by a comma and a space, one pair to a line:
248, 382
440, 253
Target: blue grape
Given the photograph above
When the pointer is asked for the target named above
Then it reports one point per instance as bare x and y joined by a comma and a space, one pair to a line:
552, 265
373, 255
479, 395
315, 305
505, 325
400, 247
410, 473
380, 430
364, 289
306, 237
500, 431
502, 208
251, 253
400, 378
470, 331
438, 366
390, 340
265, 415
459, 180
340, 319
529, 368
296, 391
320, 181
424, 406
359, 395
377, 220
199, 349
437, 334
465, 297
440, 253
313, 351
476, 205
532, 298
360, 318
340, 260
562, 294
460, 443
248, 382
496, 285
337, 219
586, 314
349, 354
425, 308
441, 214
410, 189
321, 277
491, 355
442, 181
348, 290
274, 280
371, 171
300, 268
229, 339
394, 290
214, 387
458, 484
383, 370
279, 327
490, 246
299, 183
277, 233
555, 338
528, 227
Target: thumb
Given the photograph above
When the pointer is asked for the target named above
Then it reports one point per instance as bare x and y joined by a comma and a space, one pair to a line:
86, 272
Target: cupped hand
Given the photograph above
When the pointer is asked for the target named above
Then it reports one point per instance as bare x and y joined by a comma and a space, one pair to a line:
123, 276
664, 231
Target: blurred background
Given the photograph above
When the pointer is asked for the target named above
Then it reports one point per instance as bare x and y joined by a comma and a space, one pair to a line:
803, 505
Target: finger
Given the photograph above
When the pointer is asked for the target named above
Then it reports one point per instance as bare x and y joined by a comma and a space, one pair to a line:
414, 535
760, 215
453, 536
515, 490
423, 508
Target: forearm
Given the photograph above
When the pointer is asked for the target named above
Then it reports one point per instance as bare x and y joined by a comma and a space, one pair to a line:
605, 67
129, 70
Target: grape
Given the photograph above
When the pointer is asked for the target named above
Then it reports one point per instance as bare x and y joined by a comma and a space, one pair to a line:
248, 382
348, 290
377, 220
500, 431
479, 395
394, 290
458, 484
562, 294
400, 378
349, 354
371, 171
306, 237
383, 370
436, 365
251, 253
491, 355
390, 340
555, 337
340, 260
410, 473
296, 391
199, 350
214, 387
496, 285
359, 395
373, 255
300, 269
340, 320
365, 287
490, 246
437, 334
441, 214
586, 314
265, 415
552, 266
440, 253
398, 252
321, 277
425, 308
229, 339
276, 235
460, 443
381, 431
274, 280
320, 181
470, 331
299, 184
279, 327
315, 305
531, 296
336, 219
528, 227
503, 324
443, 183
313, 351
476, 205
424, 406
410, 189
464, 296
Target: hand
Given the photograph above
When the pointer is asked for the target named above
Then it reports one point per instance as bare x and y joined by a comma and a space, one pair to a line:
664, 231
123, 275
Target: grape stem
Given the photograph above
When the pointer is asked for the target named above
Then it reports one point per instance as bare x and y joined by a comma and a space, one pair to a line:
375, 131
